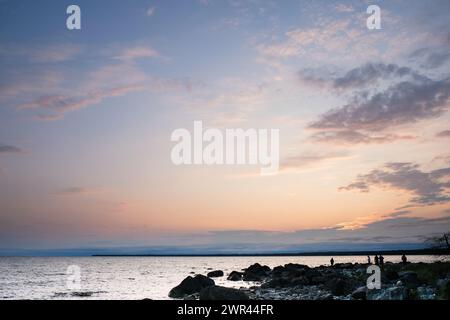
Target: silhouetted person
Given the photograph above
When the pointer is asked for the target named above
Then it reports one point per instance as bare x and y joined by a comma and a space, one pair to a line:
404, 259
376, 260
332, 262
381, 261
368, 260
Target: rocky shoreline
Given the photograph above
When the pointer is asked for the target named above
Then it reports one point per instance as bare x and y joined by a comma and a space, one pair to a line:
346, 281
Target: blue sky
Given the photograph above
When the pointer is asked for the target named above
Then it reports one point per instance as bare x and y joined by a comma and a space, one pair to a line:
86, 117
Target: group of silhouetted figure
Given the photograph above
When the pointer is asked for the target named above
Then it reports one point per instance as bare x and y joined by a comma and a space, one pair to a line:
379, 260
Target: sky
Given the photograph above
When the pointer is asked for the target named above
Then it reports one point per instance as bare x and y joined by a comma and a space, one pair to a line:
86, 118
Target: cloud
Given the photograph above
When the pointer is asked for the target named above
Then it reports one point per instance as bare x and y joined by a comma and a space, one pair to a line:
355, 137
431, 58
427, 188
138, 52
61, 104
150, 11
405, 102
71, 191
368, 116
368, 74
4, 148
51, 53
298, 41
344, 8
443, 134
56, 53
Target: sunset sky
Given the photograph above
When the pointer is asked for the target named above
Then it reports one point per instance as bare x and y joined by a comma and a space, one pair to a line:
86, 118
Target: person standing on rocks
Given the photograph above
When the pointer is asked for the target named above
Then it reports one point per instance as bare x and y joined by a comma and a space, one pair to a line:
381, 261
332, 262
368, 260
376, 260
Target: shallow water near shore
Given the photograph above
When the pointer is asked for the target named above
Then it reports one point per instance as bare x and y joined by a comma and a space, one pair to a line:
135, 277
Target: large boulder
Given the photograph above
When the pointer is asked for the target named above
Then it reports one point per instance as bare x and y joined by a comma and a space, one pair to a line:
258, 269
235, 276
249, 276
222, 293
340, 286
256, 272
215, 273
410, 279
191, 285
391, 275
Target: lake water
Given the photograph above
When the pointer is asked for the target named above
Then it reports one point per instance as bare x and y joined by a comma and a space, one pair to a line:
132, 277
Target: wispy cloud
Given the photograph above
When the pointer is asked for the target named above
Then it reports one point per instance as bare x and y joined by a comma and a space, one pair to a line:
138, 52
427, 188
367, 116
443, 134
72, 191
4, 148
51, 53
368, 74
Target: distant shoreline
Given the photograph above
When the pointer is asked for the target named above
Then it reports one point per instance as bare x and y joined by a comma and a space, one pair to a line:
293, 254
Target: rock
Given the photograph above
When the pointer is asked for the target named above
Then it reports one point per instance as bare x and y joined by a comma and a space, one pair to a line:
392, 293
336, 286
193, 296
409, 279
277, 271
258, 269
391, 275
327, 297
299, 281
191, 285
295, 266
82, 294
235, 276
249, 276
313, 274
443, 286
215, 273
426, 293
222, 293
344, 265
360, 293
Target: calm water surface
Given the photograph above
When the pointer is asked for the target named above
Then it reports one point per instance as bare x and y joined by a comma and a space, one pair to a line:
132, 277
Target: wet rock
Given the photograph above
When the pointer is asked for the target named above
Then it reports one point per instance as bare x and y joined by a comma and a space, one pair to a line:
391, 275
82, 294
409, 279
235, 276
443, 286
215, 273
193, 296
426, 293
222, 293
249, 276
360, 293
340, 286
392, 293
258, 270
191, 285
